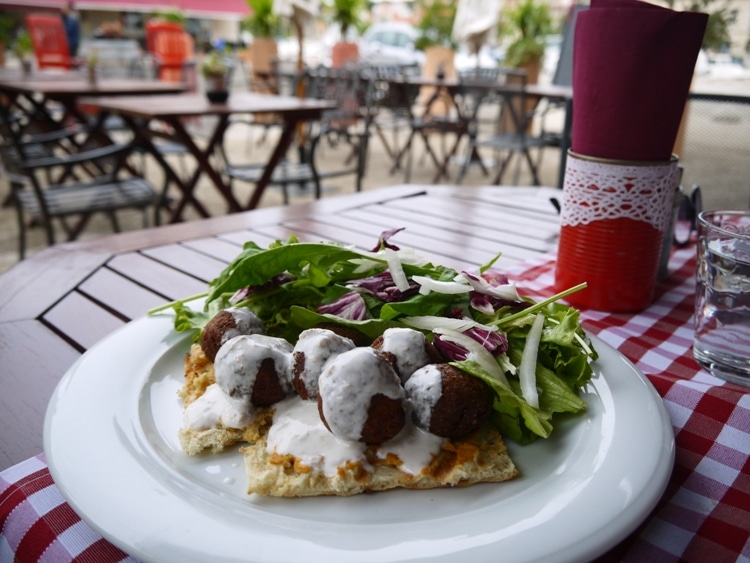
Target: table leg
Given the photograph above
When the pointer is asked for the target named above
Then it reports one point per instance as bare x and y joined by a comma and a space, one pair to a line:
285, 141
205, 166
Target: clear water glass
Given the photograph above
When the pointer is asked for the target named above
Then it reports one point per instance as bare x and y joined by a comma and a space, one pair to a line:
722, 299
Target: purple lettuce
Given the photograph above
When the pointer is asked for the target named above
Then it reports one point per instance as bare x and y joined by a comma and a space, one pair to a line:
382, 287
350, 306
494, 342
383, 240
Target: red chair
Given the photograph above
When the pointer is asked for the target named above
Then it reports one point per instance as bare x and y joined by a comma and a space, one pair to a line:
49, 40
174, 53
154, 27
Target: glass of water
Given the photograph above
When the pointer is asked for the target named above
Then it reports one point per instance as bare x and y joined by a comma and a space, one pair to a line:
722, 297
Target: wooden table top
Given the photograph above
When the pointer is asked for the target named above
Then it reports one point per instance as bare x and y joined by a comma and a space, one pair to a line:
79, 85
181, 105
58, 303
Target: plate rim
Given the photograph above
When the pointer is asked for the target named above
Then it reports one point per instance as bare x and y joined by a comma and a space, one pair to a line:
585, 547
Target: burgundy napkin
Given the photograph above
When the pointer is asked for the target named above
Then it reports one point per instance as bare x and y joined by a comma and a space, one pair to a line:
632, 68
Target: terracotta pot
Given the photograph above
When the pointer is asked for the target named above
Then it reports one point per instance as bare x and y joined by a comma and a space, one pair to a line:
438, 60
344, 53
263, 53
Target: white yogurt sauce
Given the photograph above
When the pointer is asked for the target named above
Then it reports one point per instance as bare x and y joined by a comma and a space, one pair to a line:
298, 430
239, 359
318, 346
245, 321
424, 388
215, 406
347, 384
414, 447
409, 347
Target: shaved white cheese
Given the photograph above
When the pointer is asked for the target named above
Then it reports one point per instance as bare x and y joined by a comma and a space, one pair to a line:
396, 269
429, 322
477, 353
479, 284
428, 284
527, 369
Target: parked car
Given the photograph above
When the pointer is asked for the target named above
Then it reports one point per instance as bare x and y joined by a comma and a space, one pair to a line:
390, 43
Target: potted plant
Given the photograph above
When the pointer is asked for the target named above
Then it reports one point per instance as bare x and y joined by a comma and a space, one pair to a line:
6, 33
92, 64
23, 47
526, 24
214, 71
173, 15
347, 14
264, 26
435, 28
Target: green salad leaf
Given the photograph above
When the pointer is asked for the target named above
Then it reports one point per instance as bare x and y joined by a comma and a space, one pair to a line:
292, 286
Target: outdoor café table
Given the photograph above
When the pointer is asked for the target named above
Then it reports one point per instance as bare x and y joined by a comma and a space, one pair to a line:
450, 88
33, 92
61, 302
140, 114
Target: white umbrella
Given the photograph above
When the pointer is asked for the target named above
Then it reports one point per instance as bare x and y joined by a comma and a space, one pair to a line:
301, 13
475, 22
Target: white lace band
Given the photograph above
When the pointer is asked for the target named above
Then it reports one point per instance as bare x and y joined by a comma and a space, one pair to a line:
596, 189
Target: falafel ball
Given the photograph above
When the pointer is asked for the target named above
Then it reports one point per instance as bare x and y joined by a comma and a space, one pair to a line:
448, 402
406, 349
313, 349
352, 334
361, 397
225, 325
257, 366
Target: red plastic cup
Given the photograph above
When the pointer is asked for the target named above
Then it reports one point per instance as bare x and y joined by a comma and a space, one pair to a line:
614, 215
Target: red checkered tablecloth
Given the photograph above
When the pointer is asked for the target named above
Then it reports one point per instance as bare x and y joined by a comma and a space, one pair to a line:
704, 516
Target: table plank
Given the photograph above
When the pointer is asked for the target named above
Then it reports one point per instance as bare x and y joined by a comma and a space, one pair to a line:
82, 321
159, 277
34, 359
184, 259
119, 294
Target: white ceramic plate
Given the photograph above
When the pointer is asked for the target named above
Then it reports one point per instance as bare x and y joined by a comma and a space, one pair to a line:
110, 441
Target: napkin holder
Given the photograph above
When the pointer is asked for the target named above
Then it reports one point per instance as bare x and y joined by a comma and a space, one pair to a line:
614, 217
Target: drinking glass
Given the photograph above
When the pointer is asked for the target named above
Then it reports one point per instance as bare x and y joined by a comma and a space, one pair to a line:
722, 298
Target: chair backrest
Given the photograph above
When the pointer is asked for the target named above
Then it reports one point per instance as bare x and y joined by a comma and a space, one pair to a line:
564, 71
346, 87
154, 27
49, 40
173, 49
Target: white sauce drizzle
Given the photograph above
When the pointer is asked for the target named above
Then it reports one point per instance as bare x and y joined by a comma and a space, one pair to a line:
414, 447
239, 359
245, 321
409, 347
216, 406
347, 384
318, 346
298, 430
424, 388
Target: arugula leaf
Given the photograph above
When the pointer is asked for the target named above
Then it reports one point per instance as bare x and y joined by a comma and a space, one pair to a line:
256, 267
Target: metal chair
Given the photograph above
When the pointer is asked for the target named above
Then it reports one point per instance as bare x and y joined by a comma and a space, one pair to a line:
345, 128
512, 135
87, 177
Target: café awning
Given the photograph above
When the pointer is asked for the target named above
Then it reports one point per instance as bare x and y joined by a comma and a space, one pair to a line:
192, 8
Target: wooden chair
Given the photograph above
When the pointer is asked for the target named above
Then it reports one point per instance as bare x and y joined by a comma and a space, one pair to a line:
51, 186
49, 40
